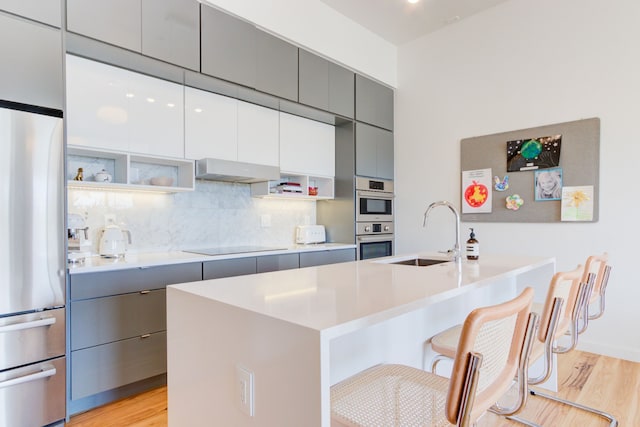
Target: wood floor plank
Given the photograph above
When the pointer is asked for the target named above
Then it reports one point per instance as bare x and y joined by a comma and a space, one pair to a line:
609, 384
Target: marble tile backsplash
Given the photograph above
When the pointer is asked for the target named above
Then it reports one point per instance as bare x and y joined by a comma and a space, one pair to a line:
215, 214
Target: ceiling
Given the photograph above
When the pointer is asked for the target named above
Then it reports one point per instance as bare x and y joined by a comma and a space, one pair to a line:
398, 21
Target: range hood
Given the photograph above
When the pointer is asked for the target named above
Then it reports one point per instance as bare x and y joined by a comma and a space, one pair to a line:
227, 170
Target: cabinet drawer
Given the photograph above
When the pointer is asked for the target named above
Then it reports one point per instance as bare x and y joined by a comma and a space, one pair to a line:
103, 320
228, 268
108, 366
309, 259
92, 285
278, 262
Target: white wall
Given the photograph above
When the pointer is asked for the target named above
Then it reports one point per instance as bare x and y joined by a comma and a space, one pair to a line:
317, 27
524, 64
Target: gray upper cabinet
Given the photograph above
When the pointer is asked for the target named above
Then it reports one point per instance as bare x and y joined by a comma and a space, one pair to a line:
374, 152
168, 30
325, 85
116, 22
35, 74
374, 103
276, 66
171, 31
228, 47
46, 11
341, 90
237, 51
314, 80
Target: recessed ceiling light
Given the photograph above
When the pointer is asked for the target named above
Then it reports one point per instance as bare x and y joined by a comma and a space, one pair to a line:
413, 1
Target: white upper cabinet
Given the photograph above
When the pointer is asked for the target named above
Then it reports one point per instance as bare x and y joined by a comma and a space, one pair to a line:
116, 109
211, 125
258, 129
306, 146
219, 127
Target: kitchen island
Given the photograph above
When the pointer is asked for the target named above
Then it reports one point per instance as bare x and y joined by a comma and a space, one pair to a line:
277, 341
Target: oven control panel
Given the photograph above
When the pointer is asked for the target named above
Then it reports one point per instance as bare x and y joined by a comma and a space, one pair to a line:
374, 228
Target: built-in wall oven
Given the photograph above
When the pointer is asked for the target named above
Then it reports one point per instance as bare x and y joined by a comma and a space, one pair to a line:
374, 217
374, 240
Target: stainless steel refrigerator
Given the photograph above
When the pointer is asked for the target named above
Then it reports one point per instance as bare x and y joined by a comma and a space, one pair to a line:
32, 266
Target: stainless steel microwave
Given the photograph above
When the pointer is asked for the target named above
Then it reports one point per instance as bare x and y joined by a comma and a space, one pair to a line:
374, 200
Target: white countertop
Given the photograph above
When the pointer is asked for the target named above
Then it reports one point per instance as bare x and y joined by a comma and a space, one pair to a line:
149, 259
341, 297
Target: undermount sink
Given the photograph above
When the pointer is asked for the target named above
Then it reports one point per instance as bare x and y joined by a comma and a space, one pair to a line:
420, 262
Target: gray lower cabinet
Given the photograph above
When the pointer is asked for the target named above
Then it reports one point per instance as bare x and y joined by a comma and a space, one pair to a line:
109, 366
374, 103
374, 152
45, 11
277, 262
228, 268
118, 331
325, 85
32, 62
310, 259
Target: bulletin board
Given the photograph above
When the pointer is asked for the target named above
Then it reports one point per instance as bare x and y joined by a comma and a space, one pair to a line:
578, 167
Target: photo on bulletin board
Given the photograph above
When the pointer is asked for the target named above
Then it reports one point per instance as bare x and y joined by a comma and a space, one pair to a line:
533, 153
548, 184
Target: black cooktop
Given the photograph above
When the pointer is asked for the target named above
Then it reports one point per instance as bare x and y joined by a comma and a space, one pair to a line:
232, 250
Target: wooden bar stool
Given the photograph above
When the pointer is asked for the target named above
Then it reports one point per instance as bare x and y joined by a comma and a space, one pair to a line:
559, 316
491, 343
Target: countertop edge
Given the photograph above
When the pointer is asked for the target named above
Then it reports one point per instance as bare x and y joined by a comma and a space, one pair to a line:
153, 259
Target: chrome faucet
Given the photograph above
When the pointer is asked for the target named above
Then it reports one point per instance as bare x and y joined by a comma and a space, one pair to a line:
457, 255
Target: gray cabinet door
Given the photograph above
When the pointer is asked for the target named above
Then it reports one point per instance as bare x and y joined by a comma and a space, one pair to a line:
108, 366
341, 90
310, 259
46, 11
171, 31
117, 22
108, 319
32, 63
374, 103
276, 66
228, 47
100, 284
313, 80
277, 262
228, 268
374, 152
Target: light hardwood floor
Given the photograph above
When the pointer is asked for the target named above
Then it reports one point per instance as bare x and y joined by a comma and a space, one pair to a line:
609, 384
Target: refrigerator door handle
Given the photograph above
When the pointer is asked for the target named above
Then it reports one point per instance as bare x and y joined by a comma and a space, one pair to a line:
47, 371
45, 321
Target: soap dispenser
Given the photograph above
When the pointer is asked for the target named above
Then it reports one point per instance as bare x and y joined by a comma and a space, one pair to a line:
473, 246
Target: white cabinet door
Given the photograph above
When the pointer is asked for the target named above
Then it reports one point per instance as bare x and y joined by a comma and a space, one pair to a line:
306, 146
97, 105
211, 125
258, 130
115, 109
156, 110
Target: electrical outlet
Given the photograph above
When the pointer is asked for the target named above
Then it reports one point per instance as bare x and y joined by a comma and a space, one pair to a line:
244, 390
265, 220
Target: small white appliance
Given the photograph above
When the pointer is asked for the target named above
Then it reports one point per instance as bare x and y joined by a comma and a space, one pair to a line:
113, 241
307, 234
